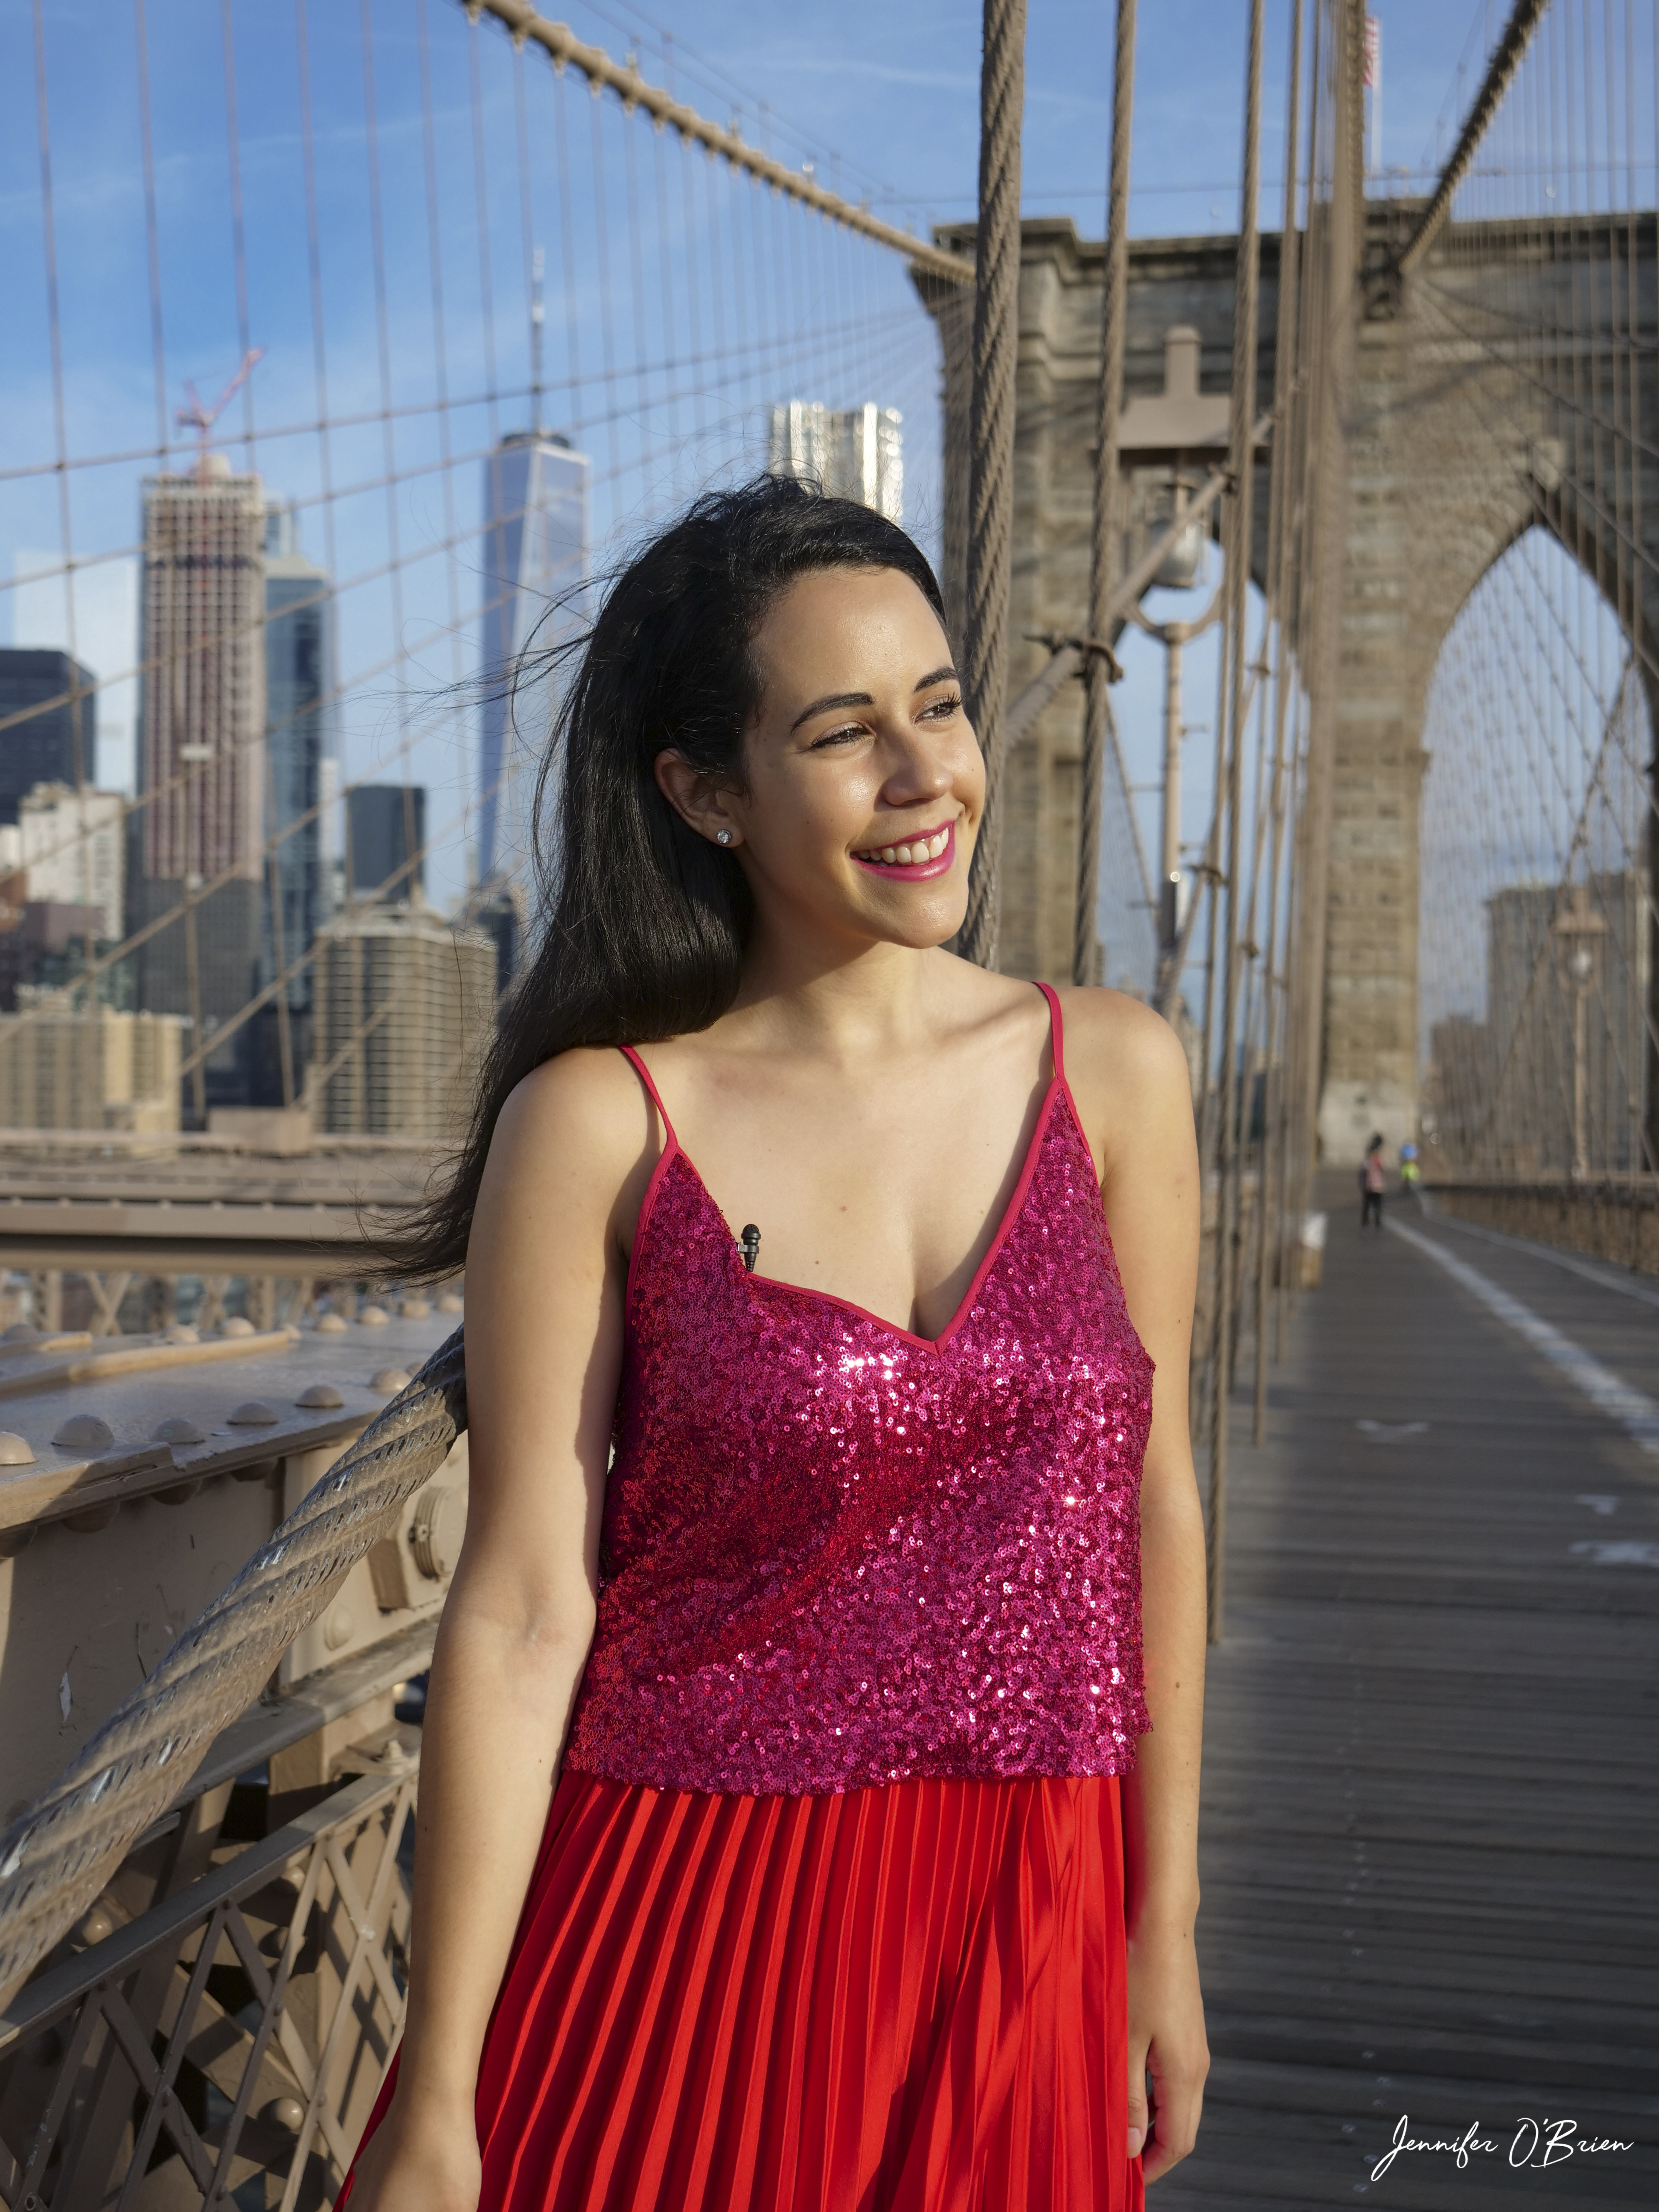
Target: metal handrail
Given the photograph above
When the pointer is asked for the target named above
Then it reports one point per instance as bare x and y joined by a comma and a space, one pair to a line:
58, 1855
82, 2009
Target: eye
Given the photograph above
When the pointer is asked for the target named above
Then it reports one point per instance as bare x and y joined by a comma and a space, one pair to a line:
941, 709
844, 736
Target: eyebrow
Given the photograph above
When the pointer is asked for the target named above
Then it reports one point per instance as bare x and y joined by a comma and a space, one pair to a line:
835, 700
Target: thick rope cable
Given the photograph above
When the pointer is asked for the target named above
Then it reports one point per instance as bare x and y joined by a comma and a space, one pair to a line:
1238, 569
991, 447
1103, 550
56, 1856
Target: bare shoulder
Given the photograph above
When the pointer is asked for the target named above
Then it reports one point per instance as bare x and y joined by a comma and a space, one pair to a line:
577, 1133
1129, 1072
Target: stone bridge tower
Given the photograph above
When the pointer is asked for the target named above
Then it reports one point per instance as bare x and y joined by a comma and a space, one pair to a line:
1479, 404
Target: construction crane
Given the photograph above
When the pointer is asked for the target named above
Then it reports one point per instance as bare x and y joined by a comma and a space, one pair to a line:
202, 419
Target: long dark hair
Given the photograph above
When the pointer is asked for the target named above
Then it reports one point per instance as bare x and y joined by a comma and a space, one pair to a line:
644, 924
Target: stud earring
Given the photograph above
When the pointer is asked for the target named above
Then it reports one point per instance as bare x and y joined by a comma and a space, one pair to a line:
722, 836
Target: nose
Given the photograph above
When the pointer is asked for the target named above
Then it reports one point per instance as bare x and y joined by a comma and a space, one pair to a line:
921, 771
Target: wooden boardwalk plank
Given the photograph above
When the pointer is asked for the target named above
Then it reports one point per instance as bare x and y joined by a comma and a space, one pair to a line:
1432, 1798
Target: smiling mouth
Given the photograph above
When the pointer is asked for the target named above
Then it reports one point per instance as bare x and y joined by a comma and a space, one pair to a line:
931, 854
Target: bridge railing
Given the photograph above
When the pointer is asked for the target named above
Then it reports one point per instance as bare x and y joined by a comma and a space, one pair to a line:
249, 2018
198, 1960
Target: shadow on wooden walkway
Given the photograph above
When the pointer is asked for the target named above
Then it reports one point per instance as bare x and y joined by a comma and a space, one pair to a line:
1432, 1798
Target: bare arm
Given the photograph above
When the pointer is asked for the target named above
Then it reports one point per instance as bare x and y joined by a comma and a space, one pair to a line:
1131, 1079
544, 1349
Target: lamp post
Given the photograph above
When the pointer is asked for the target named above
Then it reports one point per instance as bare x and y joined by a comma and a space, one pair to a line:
1577, 928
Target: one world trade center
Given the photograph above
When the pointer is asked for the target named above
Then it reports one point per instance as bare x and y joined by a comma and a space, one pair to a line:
535, 555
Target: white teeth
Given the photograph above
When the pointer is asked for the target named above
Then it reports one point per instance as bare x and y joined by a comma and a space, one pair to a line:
912, 855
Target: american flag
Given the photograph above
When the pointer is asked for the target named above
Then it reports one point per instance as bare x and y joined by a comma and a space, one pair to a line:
1373, 54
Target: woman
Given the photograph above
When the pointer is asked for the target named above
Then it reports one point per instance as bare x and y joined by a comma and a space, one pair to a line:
785, 1839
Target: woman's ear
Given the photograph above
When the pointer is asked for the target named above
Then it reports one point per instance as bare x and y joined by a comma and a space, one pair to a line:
702, 803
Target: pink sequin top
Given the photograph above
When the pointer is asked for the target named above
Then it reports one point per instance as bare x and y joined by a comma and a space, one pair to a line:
836, 1553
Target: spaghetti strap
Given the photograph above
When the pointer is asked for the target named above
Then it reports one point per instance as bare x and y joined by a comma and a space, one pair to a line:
1056, 1031
644, 1074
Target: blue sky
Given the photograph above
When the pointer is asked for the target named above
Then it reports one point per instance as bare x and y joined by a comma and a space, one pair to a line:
666, 384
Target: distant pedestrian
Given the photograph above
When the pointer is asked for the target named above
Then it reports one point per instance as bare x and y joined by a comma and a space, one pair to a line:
1411, 1174
1372, 1184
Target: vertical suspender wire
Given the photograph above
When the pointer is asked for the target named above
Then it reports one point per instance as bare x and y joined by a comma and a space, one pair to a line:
481, 201
768, 302
991, 442
60, 415
1293, 610
1102, 551
440, 373
1201, 1383
268, 798
1270, 1187
568, 260
644, 440
158, 354
1627, 436
1331, 273
319, 367
666, 261
533, 372
439, 339
746, 364
152, 237
695, 390
1644, 649
709, 372
1238, 570
388, 437
238, 232
607, 326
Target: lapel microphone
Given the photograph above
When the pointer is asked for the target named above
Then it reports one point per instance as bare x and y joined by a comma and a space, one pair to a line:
749, 1245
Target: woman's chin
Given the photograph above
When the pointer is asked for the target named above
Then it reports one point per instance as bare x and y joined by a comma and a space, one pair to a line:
921, 923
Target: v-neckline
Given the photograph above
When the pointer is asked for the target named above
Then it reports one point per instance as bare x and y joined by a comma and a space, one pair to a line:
673, 1149
1011, 1213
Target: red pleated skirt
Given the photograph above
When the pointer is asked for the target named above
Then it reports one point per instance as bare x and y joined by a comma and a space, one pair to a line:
907, 1998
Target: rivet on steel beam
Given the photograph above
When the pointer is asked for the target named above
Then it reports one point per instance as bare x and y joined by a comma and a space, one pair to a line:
254, 1413
450, 1302
15, 1450
320, 1393
94, 1517
177, 1429
84, 1432
415, 1308
331, 1324
374, 1316
181, 1332
258, 1470
391, 1378
238, 1325
178, 1493
96, 1924
21, 1333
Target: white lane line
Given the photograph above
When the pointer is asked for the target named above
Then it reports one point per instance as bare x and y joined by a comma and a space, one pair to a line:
1634, 1410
